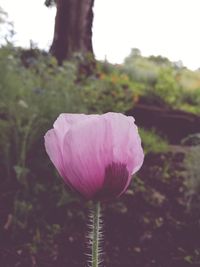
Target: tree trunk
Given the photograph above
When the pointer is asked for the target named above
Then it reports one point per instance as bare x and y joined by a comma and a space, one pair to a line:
73, 28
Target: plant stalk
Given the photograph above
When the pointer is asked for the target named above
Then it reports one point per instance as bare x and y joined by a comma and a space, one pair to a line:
96, 234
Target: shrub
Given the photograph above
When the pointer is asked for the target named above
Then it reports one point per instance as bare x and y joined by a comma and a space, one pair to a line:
190, 100
167, 87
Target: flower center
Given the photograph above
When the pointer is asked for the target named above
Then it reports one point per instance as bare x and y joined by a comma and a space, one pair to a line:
116, 176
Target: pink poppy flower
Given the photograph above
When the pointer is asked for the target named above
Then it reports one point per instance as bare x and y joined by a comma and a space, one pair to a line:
96, 155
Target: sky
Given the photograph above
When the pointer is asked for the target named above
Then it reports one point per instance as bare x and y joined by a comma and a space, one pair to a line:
157, 27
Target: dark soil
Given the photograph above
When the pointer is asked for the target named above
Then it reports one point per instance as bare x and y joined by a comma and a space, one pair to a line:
172, 124
151, 225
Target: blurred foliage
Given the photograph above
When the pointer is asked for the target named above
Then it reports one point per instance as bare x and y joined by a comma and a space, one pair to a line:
167, 87
111, 92
190, 100
140, 69
164, 81
34, 91
31, 98
152, 142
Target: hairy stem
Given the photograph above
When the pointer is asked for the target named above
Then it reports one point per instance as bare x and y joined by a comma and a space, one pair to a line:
95, 244
95, 234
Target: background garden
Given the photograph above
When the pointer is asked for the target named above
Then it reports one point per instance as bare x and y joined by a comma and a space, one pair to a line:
157, 222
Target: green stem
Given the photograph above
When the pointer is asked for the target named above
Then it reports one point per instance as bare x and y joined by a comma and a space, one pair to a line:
96, 234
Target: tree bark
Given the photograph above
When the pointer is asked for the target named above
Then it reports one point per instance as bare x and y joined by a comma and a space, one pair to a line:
73, 28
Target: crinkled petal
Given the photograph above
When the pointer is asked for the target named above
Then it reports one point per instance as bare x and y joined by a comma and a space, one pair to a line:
63, 123
125, 141
53, 150
94, 144
95, 154
86, 155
